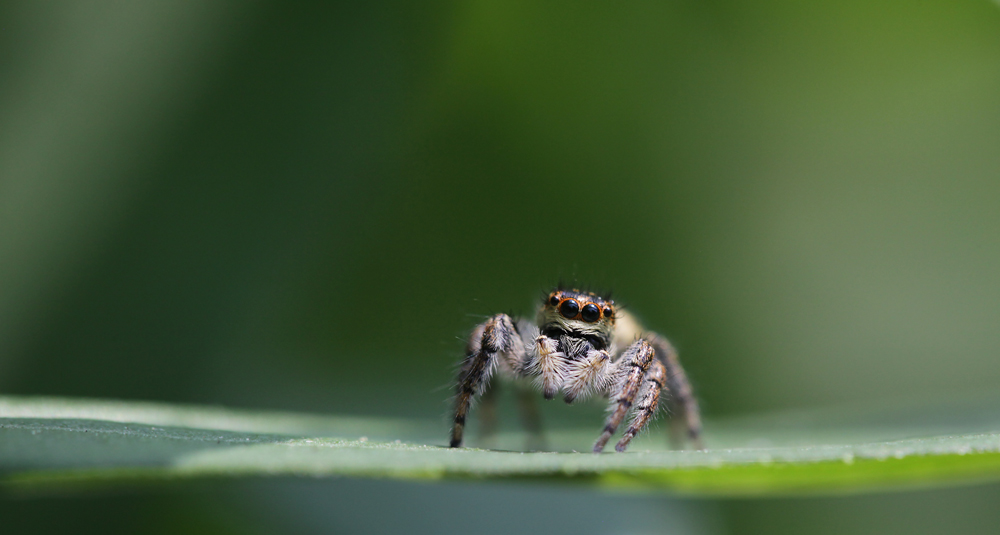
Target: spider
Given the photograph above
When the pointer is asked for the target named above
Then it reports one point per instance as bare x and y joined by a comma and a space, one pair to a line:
582, 344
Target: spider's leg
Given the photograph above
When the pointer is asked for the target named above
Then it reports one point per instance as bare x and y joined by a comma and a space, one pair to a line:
488, 414
527, 406
494, 338
631, 368
683, 400
645, 407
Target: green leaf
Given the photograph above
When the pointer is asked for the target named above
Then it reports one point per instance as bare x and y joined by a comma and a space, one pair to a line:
47, 442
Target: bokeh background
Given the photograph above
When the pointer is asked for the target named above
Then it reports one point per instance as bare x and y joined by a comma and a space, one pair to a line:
306, 207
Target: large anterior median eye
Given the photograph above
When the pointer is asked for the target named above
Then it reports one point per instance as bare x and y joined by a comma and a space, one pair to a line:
590, 313
569, 308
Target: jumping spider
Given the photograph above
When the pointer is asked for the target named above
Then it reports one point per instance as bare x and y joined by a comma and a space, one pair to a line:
583, 343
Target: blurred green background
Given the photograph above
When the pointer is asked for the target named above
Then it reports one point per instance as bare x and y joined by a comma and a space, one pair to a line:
307, 207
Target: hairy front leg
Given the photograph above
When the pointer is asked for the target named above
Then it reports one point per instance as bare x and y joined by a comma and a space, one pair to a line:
488, 342
631, 368
648, 401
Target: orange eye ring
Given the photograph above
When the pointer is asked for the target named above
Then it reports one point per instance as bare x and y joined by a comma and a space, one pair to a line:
571, 309
590, 313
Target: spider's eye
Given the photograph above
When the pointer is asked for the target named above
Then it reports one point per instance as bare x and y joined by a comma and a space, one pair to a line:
553, 300
590, 313
570, 308
608, 313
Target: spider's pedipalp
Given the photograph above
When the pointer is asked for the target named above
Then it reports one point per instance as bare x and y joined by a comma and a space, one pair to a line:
587, 374
543, 359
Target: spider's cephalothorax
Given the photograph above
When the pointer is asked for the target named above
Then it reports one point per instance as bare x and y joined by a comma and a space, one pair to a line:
581, 343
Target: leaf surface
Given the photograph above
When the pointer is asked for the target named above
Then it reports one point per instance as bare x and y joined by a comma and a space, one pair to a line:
47, 442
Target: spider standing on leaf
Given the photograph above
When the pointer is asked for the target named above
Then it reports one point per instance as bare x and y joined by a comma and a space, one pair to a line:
582, 344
